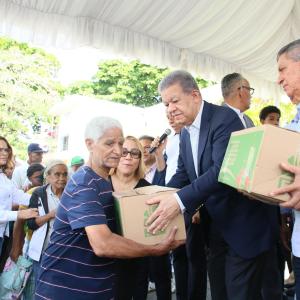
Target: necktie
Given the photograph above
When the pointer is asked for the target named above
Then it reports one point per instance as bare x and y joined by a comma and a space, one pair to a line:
247, 122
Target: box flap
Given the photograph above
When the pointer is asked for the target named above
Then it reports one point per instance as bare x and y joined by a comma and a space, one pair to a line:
146, 190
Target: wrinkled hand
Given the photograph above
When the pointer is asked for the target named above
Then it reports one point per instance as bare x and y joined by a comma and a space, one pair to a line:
293, 189
196, 218
169, 243
29, 213
167, 210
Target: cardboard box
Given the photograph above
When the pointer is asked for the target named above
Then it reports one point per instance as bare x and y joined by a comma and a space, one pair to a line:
252, 158
132, 213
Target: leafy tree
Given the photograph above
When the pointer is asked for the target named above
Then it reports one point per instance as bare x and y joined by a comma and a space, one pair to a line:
27, 91
126, 82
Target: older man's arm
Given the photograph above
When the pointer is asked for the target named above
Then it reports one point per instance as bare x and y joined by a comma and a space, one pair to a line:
293, 189
107, 244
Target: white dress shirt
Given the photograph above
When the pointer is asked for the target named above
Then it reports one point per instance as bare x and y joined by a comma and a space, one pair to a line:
172, 152
9, 195
194, 131
150, 173
19, 176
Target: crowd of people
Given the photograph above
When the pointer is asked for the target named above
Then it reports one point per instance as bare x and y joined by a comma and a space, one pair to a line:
62, 218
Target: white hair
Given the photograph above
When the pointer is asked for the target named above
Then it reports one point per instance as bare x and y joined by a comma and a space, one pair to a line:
51, 164
98, 125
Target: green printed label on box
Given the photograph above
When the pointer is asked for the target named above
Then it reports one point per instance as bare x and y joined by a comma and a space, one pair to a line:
287, 177
240, 160
147, 213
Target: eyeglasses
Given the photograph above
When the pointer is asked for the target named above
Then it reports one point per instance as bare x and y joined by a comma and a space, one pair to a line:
5, 150
250, 89
134, 153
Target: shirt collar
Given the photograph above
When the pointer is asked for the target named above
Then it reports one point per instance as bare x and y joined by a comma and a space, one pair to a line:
152, 168
236, 110
197, 122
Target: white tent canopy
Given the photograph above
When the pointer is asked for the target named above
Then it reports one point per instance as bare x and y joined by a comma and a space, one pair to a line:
208, 37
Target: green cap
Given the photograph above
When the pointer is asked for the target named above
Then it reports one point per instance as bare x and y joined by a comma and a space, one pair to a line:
77, 160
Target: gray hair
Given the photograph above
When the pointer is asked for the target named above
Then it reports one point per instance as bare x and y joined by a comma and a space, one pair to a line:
181, 77
292, 50
229, 82
98, 125
51, 164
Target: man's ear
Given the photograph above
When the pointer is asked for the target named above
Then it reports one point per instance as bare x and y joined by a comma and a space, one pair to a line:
89, 144
197, 95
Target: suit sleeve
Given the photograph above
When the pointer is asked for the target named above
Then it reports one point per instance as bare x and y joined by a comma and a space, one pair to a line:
194, 194
159, 177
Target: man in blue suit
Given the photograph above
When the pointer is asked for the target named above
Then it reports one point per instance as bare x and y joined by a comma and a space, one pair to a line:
242, 231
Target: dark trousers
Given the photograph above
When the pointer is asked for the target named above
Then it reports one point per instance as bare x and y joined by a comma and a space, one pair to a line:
272, 285
160, 273
133, 274
244, 277
180, 265
216, 264
231, 276
296, 262
190, 263
129, 284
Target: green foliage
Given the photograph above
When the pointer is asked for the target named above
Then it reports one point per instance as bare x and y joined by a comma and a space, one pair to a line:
126, 82
27, 90
257, 104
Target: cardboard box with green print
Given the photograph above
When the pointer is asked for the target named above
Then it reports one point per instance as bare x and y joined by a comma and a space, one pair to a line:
132, 213
252, 158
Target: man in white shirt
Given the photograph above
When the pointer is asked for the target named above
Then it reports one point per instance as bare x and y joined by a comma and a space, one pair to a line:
288, 60
234, 217
35, 155
237, 93
189, 260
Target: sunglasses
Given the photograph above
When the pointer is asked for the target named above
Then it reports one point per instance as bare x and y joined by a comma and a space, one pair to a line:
134, 153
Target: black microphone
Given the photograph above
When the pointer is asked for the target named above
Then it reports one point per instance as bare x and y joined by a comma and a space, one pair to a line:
163, 137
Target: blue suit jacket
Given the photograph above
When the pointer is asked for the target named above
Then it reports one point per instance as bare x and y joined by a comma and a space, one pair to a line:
250, 227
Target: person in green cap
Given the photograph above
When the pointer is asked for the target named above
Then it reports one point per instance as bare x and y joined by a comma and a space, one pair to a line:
76, 163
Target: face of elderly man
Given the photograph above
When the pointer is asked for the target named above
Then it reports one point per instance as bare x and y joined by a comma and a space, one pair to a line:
106, 152
289, 77
182, 106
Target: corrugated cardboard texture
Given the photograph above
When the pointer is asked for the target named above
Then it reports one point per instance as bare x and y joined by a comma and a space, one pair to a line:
132, 213
252, 158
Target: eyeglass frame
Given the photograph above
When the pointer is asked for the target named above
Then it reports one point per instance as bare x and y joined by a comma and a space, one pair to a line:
250, 89
5, 150
137, 155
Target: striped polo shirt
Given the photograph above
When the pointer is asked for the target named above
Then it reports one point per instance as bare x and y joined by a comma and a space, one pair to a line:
70, 269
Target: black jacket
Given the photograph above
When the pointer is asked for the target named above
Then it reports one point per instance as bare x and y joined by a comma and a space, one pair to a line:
41, 193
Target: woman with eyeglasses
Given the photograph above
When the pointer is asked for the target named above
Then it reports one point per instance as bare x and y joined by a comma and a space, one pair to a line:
46, 200
127, 176
10, 195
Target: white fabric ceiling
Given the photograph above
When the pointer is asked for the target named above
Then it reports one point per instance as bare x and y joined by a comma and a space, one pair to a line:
208, 37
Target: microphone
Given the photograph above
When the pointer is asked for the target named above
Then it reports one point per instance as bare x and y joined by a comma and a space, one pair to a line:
163, 137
